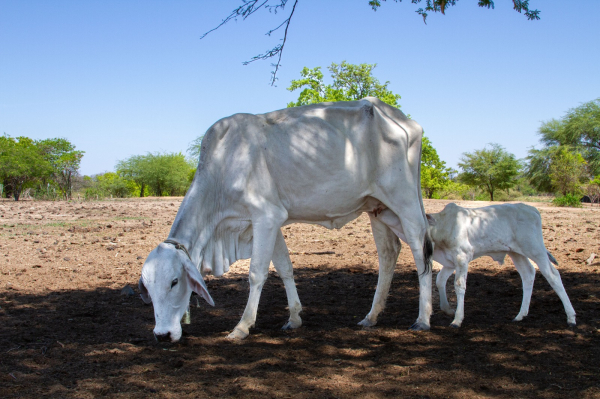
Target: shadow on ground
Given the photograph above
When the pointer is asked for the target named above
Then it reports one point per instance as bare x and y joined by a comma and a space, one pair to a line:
76, 344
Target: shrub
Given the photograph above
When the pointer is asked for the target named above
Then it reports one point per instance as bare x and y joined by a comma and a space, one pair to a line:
571, 200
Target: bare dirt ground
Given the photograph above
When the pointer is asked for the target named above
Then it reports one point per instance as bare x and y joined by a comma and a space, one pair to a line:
67, 332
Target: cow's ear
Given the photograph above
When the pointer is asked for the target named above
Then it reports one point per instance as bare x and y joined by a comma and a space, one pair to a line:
144, 292
430, 220
196, 281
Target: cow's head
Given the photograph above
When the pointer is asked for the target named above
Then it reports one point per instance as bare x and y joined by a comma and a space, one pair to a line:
168, 279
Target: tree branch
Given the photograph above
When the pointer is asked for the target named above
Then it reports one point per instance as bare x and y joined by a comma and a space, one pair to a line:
250, 7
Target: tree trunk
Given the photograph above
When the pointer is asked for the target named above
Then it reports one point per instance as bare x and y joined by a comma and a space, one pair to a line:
17, 191
142, 190
69, 194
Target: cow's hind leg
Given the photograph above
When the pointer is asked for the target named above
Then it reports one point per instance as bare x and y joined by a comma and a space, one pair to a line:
283, 265
527, 273
388, 249
440, 282
417, 238
264, 230
553, 277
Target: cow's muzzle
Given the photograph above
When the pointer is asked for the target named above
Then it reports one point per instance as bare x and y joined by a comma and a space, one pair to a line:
163, 337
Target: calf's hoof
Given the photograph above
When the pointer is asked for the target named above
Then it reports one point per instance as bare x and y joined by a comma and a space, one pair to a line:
419, 327
449, 312
571, 324
290, 325
367, 323
237, 335
454, 325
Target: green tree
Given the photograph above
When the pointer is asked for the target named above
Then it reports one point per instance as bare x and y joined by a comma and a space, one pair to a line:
537, 169
350, 82
163, 174
434, 173
65, 161
490, 169
111, 183
21, 163
567, 171
579, 129
250, 7
194, 148
135, 168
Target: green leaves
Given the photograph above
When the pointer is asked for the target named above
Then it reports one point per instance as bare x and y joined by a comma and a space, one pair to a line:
442, 5
490, 169
64, 160
162, 174
567, 171
21, 163
434, 173
571, 150
350, 82
578, 129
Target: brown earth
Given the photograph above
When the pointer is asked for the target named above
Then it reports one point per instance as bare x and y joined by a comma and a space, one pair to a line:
67, 332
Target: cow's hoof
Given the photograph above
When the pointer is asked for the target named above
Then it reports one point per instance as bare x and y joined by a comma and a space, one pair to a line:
571, 324
454, 325
290, 325
237, 335
419, 327
367, 323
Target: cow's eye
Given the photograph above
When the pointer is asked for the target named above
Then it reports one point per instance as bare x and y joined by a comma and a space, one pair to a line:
174, 283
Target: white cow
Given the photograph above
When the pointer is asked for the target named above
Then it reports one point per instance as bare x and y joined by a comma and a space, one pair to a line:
323, 164
461, 235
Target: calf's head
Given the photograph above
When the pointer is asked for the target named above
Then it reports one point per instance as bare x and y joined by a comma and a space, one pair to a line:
168, 279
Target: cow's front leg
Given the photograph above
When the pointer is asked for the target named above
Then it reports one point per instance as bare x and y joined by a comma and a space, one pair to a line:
265, 233
283, 265
388, 249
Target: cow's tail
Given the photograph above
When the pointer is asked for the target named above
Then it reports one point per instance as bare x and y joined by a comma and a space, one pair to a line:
427, 243
552, 259
427, 253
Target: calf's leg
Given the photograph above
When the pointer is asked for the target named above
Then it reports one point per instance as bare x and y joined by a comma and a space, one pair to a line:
388, 249
527, 273
460, 286
440, 282
553, 277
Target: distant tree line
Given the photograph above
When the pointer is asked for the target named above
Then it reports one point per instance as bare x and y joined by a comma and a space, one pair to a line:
567, 165
155, 174
47, 166
49, 169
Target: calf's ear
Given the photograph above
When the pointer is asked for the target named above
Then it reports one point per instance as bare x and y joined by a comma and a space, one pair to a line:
196, 281
144, 292
430, 220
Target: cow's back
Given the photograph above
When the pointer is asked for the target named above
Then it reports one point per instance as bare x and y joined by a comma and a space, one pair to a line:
328, 155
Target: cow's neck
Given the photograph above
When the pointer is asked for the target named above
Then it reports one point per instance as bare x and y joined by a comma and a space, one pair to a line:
196, 218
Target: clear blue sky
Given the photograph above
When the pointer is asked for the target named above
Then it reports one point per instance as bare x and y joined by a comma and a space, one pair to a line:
121, 78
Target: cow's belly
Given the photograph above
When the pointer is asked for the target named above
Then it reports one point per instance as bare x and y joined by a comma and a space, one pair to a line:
330, 211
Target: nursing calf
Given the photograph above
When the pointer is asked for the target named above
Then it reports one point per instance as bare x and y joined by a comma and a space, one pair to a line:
461, 235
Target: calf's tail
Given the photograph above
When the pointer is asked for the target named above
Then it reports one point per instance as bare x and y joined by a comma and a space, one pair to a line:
552, 259
427, 253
